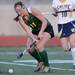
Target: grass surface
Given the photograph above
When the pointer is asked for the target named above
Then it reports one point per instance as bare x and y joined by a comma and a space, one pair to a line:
60, 62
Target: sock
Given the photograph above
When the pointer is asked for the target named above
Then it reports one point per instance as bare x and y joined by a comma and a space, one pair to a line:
69, 49
36, 55
73, 55
44, 58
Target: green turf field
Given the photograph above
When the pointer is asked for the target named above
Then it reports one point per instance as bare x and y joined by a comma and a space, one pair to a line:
60, 62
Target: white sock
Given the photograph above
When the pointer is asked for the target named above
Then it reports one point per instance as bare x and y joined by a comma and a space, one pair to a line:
73, 55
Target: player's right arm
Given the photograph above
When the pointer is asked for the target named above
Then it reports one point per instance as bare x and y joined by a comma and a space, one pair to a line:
53, 9
26, 29
73, 5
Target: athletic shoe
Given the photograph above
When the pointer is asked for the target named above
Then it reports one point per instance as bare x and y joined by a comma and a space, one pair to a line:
44, 69
39, 65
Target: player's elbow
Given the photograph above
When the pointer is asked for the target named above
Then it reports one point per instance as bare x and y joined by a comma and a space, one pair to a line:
44, 22
54, 14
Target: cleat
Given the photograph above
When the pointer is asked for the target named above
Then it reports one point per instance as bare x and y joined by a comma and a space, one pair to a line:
39, 65
44, 69
70, 49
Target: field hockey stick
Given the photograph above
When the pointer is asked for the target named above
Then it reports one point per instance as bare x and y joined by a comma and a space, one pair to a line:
22, 53
60, 32
73, 24
73, 29
65, 11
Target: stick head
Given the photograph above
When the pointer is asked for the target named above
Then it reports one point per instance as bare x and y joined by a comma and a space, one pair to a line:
19, 55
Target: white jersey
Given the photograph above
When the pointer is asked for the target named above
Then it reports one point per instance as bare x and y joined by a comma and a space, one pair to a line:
29, 9
64, 17
73, 13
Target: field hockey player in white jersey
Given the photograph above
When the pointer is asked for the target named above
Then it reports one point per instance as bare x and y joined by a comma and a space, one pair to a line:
65, 11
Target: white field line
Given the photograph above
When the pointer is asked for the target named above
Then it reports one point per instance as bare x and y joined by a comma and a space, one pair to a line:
17, 64
15, 53
50, 61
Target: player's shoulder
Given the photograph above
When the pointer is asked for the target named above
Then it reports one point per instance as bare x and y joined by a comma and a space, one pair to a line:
34, 10
31, 9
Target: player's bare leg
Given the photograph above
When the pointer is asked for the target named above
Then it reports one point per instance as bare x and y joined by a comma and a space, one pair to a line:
40, 47
65, 44
34, 53
72, 41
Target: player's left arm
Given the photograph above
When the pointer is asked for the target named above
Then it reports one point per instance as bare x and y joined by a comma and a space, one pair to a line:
72, 7
41, 17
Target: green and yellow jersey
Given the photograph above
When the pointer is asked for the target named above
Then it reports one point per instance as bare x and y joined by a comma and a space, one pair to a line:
33, 22
36, 24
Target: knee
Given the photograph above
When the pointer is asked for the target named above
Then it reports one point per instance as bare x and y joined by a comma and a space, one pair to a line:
65, 47
72, 43
39, 48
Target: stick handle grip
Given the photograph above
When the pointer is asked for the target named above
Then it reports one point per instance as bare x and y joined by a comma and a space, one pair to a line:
64, 11
34, 43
